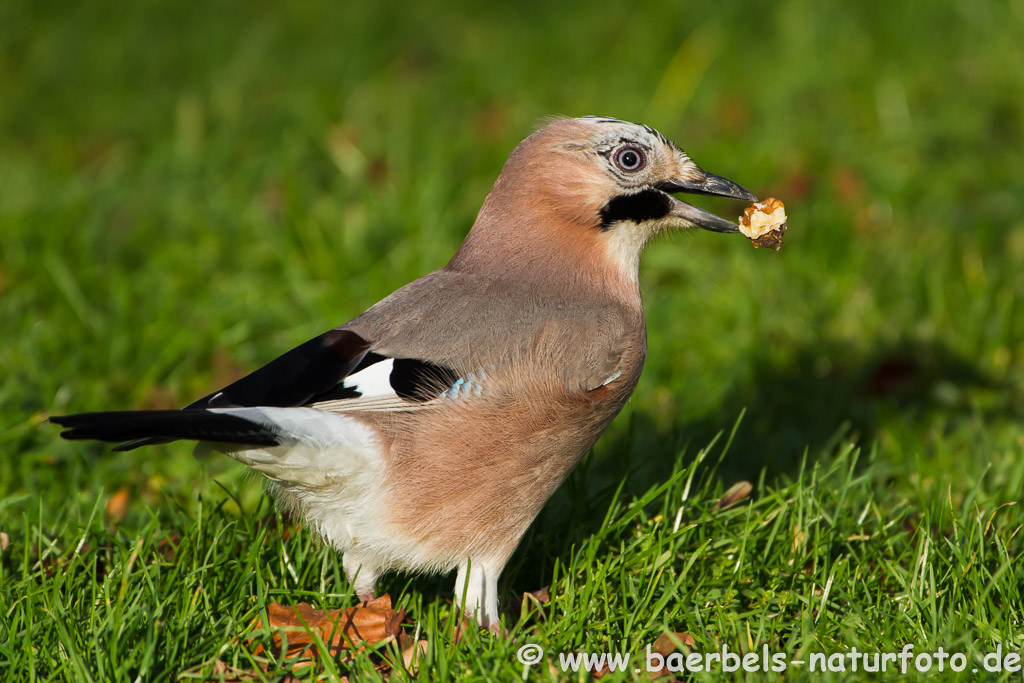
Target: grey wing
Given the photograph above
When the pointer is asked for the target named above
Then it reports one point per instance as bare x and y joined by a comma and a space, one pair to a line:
466, 322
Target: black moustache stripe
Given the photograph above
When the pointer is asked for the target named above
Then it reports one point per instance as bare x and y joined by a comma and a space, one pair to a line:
642, 206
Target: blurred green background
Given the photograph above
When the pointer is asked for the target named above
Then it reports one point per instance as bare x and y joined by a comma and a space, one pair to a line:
189, 189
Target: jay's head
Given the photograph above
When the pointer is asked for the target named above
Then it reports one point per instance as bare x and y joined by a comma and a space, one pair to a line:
600, 183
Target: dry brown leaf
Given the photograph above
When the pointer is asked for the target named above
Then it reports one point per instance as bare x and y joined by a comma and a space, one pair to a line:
353, 628
117, 505
533, 601
735, 494
664, 645
462, 626
222, 671
412, 655
542, 595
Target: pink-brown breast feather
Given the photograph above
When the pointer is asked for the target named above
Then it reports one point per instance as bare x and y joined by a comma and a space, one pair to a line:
452, 471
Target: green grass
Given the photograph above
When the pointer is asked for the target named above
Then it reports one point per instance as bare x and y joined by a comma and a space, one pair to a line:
188, 190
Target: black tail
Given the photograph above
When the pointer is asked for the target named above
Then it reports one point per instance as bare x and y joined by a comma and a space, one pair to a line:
142, 427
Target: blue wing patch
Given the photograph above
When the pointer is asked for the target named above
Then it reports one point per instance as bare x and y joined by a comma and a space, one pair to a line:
463, 387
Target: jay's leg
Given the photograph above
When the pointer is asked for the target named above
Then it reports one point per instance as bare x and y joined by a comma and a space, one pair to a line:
476, 592
361, 574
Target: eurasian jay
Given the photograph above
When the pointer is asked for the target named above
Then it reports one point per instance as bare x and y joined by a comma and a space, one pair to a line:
426, 434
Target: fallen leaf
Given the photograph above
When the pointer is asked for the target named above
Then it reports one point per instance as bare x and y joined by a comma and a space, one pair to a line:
664, 645
353, 628
232, 674
542, 595
462, 626
532, 602
735, 494
117, 505
412, 654
222, 671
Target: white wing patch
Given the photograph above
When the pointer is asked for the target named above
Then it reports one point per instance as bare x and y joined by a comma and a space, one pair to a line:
376, 393
373, 382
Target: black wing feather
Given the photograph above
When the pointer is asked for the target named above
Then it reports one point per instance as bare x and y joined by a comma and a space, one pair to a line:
201, 425
311, 372
296, 378
419, 381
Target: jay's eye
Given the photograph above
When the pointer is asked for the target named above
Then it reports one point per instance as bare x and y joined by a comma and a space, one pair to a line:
629, 158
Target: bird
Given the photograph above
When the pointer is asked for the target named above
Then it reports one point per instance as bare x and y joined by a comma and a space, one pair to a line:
426, 434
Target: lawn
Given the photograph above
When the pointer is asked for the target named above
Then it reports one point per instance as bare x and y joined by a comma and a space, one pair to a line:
188, 190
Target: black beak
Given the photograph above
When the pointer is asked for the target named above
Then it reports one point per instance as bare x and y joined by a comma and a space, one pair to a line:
712, 185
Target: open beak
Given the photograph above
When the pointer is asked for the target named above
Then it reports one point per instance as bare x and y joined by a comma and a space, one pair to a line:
707, 184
